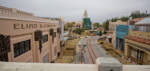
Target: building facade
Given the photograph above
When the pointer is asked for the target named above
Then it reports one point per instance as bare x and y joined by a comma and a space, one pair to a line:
27, 38
137, 43
112, 31
121, 32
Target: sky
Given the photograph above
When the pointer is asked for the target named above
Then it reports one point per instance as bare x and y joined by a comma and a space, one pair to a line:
73, 10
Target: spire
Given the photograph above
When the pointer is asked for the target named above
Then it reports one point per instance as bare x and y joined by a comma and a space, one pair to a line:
85, 14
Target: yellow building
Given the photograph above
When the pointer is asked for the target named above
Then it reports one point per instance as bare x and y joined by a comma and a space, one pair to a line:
27, 38
137, 43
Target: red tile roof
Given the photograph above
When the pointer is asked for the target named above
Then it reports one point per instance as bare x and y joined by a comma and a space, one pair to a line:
138, 39
133, 21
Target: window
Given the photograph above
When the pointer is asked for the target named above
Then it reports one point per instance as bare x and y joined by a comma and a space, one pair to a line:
148, 28
44, 38
142, 28
133, 53
21, 47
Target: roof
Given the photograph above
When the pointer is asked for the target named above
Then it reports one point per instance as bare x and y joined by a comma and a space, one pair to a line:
144, 21
138, 39
137, 19
133, 21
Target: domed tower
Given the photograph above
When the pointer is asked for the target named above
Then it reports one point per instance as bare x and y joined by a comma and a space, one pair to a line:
86, 21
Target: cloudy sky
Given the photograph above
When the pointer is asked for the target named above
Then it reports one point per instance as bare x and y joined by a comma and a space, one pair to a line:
72, 10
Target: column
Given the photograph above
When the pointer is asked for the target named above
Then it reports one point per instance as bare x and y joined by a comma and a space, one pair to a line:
126, 52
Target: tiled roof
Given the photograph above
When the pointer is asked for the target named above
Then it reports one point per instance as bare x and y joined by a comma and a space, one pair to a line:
137, 19
144, 21
138, 39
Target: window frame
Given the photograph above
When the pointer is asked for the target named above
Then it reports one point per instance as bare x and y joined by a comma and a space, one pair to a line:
21, 47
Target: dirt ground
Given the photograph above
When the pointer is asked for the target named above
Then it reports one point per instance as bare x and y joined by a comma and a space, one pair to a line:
68, 52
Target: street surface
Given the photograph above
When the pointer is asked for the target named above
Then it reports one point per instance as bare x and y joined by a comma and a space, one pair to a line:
89, 53
101, 52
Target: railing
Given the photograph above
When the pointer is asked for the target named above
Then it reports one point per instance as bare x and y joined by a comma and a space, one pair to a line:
102, 64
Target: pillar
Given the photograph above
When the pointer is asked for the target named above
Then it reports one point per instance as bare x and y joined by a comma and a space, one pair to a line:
51, 53
126, 53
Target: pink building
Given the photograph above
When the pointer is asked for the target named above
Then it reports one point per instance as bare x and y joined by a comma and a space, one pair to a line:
27, 38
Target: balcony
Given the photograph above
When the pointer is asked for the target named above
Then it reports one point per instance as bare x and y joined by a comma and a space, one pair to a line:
102, 64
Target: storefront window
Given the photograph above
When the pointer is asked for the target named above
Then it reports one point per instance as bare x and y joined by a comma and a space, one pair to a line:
134, 53
21, 47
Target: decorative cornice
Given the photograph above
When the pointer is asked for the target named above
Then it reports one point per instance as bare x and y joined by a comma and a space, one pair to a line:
11, 13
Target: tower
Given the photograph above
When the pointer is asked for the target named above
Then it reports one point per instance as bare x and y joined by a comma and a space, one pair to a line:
86, 21
85, 14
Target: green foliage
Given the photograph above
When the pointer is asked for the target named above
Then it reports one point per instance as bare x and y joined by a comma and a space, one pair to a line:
114, 19
96, 25
65, 28
138, 15
106, 25
100, 33
78, 31
70, 24
124, 19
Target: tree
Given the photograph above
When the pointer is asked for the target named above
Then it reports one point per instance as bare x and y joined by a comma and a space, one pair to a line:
138, 15
65, 28
96, 25
106, 25
124, 19
78, 31
70, 24
114, 19
100, 33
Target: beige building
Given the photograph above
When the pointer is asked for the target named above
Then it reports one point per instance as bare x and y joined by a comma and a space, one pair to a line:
27, 38
112, 30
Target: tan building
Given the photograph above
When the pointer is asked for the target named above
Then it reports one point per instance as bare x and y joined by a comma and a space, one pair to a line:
137, 43
27, 38
112, 30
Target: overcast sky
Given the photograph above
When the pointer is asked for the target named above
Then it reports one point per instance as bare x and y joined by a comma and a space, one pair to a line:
72, 10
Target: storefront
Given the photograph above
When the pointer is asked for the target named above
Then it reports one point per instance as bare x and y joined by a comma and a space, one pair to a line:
137, 43
136, 53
